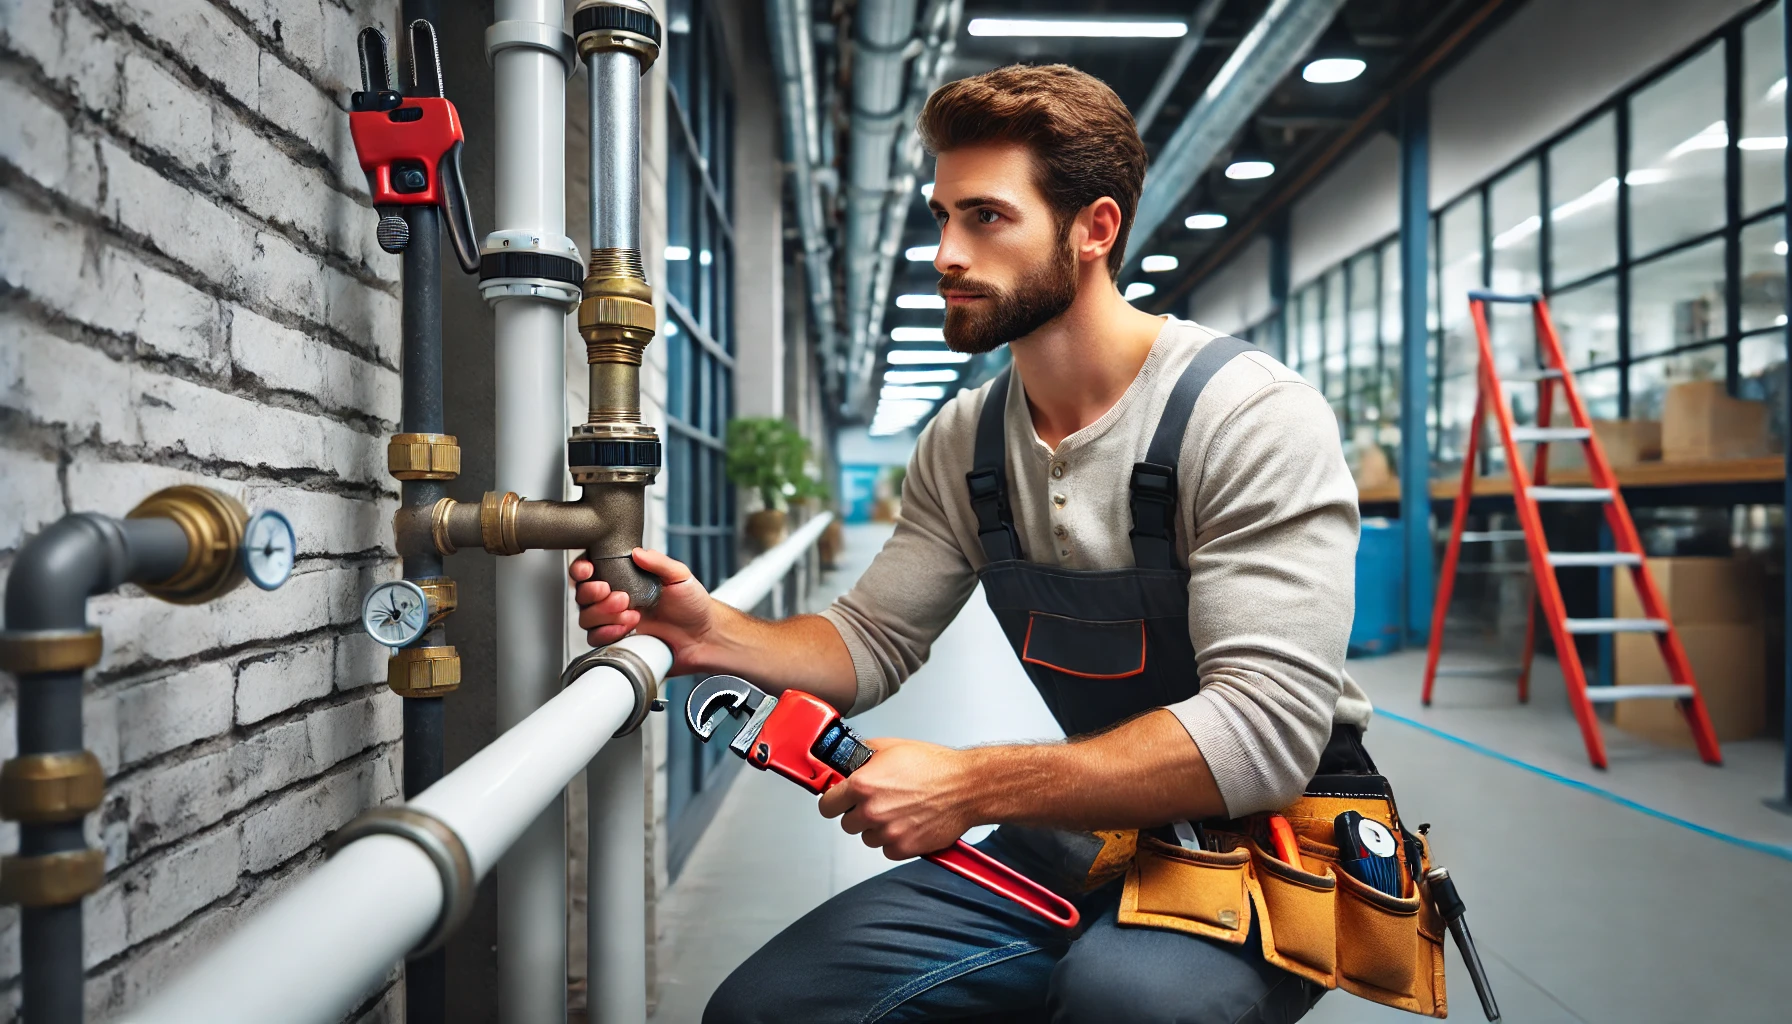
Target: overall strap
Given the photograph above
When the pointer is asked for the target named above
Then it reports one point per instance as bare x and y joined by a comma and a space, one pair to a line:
1154, 480
988, 479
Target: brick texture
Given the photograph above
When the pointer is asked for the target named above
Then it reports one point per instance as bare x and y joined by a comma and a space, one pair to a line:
190, 292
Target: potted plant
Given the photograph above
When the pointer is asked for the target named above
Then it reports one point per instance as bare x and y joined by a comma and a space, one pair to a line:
766, 456
889, 505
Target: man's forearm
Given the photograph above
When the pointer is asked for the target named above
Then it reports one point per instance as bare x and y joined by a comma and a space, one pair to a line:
1142, 774
804, 652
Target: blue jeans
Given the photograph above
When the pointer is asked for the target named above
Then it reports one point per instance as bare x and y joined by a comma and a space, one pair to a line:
919, 943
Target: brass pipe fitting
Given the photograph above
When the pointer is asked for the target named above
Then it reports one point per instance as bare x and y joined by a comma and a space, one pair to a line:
601, 25
46, 788
214, 524
443, 595
49, 650
52, 879
423, 456
423, 671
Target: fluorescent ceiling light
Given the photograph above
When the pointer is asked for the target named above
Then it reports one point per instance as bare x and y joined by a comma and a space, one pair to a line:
1249, 170
671, 329
926, 392
1715, 135
1332, 70
1138, 290
1592, 197
676, 253
1776, 90
1205, 221
917, 334
1648, 176
1518, 232
1762, 142
893, 408
1083, 29
920, 301
926, 356
927, 191
1156, 264
922, 253
930, 376
1779, 247
704, 257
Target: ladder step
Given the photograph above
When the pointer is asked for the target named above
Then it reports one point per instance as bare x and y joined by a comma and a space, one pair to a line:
1524, 434
1482, 295
1490, 670
1490, 536
1568, 559
1612, 694
1494, 567
1571, 494
1616, 625
1530, 376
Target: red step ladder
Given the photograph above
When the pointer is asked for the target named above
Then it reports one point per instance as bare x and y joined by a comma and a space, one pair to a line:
1529, 490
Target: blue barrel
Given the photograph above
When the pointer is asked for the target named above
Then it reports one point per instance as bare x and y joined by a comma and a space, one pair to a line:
1376, 629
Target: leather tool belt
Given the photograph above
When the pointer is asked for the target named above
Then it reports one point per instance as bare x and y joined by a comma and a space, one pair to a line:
1315, 921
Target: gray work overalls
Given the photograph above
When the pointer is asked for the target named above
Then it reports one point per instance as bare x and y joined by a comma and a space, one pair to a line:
1102, 645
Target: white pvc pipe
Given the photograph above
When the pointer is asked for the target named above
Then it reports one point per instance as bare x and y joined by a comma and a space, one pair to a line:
615, 885
746, 588
529, 374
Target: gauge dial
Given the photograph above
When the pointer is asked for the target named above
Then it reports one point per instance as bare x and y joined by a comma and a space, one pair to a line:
269, 547
1376, 838
395, 613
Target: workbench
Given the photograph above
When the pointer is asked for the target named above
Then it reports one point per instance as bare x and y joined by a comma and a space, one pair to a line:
1757, 480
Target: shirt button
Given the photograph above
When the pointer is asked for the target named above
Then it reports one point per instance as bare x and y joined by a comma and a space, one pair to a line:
1060, 530
1058, 500
1057, 470
1064, 552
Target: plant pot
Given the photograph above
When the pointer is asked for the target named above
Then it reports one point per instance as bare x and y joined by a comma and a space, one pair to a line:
767, 528
831, 543
884, 510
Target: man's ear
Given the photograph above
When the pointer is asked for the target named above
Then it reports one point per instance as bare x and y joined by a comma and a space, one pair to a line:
1097, 229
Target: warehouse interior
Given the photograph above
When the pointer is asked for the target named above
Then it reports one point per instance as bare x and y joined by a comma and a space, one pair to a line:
677, 266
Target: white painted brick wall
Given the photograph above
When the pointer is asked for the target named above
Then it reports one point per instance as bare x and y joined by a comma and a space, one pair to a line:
190, 292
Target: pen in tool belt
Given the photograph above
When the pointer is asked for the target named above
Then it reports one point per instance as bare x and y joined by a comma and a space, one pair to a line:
1450, 908
802, 738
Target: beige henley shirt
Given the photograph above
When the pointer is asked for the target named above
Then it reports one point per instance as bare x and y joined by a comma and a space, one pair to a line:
1268, 523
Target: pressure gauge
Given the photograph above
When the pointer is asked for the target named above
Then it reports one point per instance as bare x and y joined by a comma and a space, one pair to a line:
268, 549
395, 613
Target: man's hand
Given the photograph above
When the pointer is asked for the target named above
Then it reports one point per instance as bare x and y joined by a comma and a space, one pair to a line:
911, 798
683, 618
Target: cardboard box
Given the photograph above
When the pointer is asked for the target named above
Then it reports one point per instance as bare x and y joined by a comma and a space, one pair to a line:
1696, 589
1371, 468
1699, 421
1729, 661
1626, 443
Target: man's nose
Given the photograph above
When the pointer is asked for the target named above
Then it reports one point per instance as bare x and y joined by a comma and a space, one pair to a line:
951, 257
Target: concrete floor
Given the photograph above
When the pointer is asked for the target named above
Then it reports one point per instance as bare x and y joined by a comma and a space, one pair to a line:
1657, 891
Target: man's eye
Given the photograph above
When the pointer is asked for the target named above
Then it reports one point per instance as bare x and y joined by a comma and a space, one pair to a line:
988, 216
939, 217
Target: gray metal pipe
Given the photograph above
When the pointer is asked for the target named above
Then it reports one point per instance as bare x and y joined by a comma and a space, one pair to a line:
789, 24
1177, 65
614, 86
1287, 30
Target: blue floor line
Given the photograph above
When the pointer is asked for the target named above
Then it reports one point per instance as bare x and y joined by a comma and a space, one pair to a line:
1771, 849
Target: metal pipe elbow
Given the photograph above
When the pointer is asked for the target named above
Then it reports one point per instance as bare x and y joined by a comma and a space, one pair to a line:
620, 508
81, 555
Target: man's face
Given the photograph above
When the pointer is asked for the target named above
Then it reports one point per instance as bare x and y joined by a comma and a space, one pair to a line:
1006, 266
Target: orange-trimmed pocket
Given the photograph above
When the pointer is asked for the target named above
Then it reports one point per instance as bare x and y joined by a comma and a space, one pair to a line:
1299, 922
1087, 650
1378, 956
1194, 891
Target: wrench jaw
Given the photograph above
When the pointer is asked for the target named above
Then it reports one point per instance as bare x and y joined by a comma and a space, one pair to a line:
717, 696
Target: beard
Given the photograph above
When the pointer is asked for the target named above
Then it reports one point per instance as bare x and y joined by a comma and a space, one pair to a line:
1007, 315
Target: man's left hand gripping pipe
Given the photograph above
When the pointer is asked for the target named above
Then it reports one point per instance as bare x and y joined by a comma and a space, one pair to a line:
802, 738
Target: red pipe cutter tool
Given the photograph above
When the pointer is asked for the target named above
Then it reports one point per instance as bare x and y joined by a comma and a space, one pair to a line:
802, 738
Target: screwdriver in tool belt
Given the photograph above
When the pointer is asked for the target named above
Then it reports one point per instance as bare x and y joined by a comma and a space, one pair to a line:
1450, 908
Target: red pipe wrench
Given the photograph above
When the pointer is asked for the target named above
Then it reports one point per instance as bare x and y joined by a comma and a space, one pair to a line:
802, 738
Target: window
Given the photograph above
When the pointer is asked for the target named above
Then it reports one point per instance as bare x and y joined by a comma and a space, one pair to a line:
1675, 174
1583, 201
1763, 142
699, 339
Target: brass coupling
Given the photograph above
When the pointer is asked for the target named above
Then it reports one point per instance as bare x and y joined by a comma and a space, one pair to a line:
214, 524
617, 307
24, 652
51, 879
423, 456
45, 788
497, 522
442, 594
627, 25
423, 671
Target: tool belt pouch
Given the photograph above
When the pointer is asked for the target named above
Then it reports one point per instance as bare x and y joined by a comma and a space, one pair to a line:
1316, 921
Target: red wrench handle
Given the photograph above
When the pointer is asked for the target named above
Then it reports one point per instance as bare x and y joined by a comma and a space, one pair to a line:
961, 858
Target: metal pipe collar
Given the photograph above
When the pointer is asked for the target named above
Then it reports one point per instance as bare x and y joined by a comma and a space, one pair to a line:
633, 669
214, 524
606, 25
24, 652
423, 456
52, 879
440, 844
506, 35
423, 671
46, 788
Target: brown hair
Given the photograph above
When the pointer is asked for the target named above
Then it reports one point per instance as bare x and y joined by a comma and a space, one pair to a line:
1081, 136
